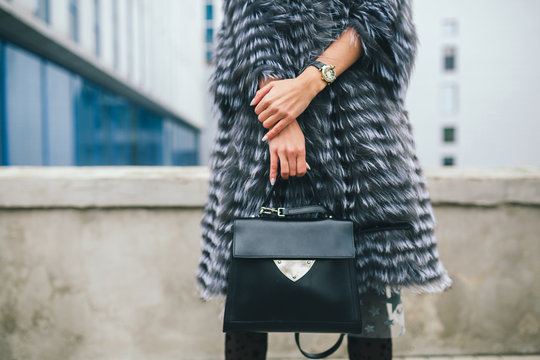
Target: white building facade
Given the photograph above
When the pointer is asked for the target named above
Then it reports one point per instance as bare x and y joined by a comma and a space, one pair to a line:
474, 98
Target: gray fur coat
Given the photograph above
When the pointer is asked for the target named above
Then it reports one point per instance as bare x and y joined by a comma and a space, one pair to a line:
359, 141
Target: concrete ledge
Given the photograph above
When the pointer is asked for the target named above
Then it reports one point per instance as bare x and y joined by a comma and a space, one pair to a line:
85, 187
100, 263
484, 186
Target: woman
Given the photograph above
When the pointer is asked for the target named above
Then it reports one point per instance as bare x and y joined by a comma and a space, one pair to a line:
352, 130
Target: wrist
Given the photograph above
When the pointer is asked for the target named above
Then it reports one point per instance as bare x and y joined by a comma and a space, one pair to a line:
311, 79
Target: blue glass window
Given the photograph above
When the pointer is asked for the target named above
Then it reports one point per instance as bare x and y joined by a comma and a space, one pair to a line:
118, 112
50, 116
184, 145
23, 110
149, 139
209, 35
209, 12
59, 115
3, 137
86, 110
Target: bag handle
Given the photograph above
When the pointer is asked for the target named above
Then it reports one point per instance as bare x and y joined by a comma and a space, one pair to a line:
281, 211
320, 355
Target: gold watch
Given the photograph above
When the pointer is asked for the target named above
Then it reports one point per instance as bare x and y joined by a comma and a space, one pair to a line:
327, 71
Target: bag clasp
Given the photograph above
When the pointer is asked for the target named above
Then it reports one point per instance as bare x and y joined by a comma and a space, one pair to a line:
272, 211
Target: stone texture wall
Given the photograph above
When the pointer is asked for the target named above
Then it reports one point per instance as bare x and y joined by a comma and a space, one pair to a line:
99, 263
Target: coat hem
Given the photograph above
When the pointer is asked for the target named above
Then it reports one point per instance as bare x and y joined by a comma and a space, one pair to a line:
443, 283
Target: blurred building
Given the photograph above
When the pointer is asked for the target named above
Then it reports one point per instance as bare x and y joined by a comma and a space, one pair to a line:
125, 82
102, 82
474, 98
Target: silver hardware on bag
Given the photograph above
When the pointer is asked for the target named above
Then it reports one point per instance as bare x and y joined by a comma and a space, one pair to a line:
270, 211
294, 269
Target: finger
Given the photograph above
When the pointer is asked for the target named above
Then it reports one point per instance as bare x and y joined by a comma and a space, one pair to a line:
270, 120
301, 165
292, 163
266, 112
260, 93
273, 166
284, 163
281, 124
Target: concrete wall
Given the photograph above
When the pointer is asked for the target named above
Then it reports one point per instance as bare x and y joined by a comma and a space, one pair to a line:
99, 263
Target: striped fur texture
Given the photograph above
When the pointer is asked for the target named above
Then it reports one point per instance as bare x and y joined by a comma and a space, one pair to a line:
358, 136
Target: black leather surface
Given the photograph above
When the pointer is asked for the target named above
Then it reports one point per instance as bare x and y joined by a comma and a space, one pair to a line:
293, 238
261, 298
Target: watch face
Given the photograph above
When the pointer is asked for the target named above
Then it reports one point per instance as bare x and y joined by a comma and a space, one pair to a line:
328, 73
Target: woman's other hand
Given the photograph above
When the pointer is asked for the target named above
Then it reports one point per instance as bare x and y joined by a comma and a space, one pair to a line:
280, 102
289, 148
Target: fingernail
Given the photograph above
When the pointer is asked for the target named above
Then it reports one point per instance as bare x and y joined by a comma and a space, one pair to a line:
272, 181
307, 165
264, 138
252, 101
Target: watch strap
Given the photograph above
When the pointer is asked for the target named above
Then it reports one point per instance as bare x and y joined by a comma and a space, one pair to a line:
318, 64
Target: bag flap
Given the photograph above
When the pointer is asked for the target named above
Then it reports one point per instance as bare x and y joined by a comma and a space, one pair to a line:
293, 239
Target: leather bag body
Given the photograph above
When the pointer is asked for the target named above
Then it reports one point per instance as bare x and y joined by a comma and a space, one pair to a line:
292, 274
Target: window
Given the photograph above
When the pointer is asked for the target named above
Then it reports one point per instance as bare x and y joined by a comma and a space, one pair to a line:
116, 61
130, 29
50, 116
142, 43
449, 99
59, 115
449, 27
149, 137
42, 11
209, 31
3, 137
209, 35
449, 134
448, 161
23, 107
449, 58
97, 29
74, 20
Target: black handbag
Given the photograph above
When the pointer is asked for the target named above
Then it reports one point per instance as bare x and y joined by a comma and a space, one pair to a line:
293, 274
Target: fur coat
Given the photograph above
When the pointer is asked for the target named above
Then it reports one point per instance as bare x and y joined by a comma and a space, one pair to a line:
358, 137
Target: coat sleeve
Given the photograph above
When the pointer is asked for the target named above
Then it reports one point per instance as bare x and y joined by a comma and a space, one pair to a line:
388, 36
246, 52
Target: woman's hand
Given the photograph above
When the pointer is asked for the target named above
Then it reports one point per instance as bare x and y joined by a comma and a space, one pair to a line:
280, 102
289, 147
